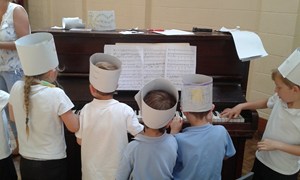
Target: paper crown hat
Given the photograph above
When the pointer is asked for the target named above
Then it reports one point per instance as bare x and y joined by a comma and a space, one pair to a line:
154, 118
290, 68
104, 80
37, 53
3, 99
196, 93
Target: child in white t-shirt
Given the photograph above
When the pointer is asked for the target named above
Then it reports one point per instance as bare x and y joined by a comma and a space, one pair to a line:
7, 168
277, 155
41, 110
104, 122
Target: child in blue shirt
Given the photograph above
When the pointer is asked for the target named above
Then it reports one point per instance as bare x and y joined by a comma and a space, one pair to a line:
152, 155
202, 147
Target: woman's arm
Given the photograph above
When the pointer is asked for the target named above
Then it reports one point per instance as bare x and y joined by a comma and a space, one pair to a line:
22, 27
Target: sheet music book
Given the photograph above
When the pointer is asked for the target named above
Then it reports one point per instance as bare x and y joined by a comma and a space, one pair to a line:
248, 44
143, 63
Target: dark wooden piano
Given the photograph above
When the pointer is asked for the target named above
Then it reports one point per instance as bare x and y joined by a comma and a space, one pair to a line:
216, 57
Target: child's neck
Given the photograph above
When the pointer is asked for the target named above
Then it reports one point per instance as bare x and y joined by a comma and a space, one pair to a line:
294, 105
152, 132
197, 122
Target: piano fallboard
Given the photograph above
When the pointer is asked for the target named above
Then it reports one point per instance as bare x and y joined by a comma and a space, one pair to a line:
216, 57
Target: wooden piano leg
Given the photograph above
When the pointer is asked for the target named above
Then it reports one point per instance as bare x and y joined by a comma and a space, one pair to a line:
232, 167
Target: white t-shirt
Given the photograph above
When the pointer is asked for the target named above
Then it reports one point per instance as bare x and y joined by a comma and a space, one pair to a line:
4, 136
103, 132
283, 125
46, 131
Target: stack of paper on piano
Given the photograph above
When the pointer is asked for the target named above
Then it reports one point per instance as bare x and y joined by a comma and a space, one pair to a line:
248, 44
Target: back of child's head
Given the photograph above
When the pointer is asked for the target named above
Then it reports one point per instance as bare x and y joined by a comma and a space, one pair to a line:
157, 101
105, 71
289, 70
196, 94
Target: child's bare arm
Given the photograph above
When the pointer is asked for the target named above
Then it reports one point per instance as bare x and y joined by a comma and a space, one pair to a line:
236, 110
71, 121
176, 125
11, 112
78, 141
270, 145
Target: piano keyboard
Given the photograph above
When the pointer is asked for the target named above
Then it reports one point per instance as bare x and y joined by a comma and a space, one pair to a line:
216, 117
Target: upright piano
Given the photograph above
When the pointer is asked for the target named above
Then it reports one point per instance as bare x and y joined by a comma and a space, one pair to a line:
216, 57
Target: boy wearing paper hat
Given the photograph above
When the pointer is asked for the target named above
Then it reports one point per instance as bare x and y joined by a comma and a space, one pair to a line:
279, 150
104, 122
7, 168
202, 145
40, 110
152, 154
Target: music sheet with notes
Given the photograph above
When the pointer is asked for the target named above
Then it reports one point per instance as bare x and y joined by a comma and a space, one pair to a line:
142, 63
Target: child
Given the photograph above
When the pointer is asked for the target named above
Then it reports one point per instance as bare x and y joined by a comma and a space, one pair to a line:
40, 110
202, 147
278, 152
104, 122
7, 168
152, 155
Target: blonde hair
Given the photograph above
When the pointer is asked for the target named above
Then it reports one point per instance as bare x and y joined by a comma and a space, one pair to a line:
277, 74
28, 82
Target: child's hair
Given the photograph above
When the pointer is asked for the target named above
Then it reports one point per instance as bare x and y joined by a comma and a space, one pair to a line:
106, 66
160, 100
200, 115
28, 82
276, 73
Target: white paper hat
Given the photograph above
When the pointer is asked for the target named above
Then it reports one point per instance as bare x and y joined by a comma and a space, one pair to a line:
290, 68
153, 118
196, 93
104, 80
3, 99
37, 53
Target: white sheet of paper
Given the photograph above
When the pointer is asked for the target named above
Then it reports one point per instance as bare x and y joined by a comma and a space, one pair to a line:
248, 44
131, 32
174, 32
